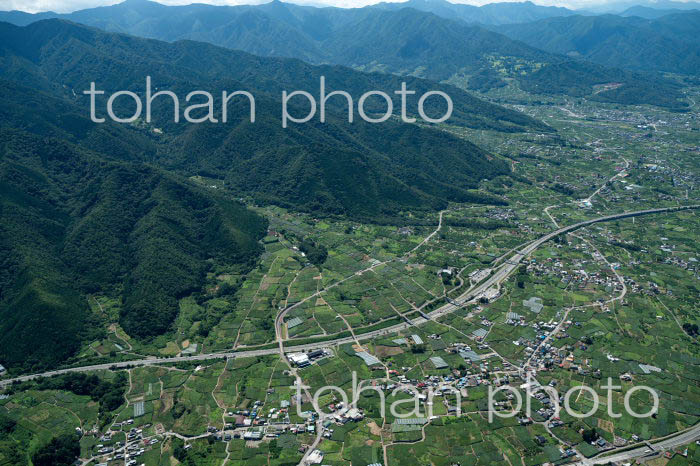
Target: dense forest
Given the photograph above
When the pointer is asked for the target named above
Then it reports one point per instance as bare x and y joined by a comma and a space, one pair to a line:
316, 253
108, 393
73, 223
108, 208
428, 39
363, 169
60, 451
581, 79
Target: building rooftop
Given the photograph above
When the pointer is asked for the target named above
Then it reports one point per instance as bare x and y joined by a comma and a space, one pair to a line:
471, 355
534, 304
369, 359
293, 322
438, 362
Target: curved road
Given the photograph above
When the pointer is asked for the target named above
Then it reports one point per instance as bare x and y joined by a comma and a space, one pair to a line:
650, 449
496, 278
279, 319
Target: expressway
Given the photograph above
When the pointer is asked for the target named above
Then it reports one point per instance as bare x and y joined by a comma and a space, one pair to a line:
495, 279
501, 273
279, 319
657, 447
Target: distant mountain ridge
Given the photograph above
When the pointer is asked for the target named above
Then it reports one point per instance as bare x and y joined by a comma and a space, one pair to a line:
649, 13
401, 41
59, 57
621, 6
668, 44
491, 13
108, 208
317, 35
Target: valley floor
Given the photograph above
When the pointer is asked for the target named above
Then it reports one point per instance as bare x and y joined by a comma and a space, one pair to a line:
473, 297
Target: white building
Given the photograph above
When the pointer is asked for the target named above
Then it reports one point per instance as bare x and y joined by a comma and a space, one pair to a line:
299, 359
316, 457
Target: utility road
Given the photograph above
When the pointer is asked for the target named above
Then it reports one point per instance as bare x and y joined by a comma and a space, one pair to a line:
498, 276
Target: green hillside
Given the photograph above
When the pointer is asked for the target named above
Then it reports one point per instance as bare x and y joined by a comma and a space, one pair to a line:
334, 167
73, 223
433, 39
604, 85
666, 44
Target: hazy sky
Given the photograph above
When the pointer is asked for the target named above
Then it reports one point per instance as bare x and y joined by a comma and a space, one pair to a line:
64, 6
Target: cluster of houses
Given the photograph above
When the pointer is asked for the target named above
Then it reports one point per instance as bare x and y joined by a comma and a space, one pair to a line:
255, 424
575, 276
685, 263
545, 356
343, 414
660, 173
128, 451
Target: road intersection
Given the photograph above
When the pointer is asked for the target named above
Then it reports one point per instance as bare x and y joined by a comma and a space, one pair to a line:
497, 276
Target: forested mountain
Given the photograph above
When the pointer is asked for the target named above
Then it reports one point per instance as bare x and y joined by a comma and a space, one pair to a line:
670, 43
91, 207
408, 41
51, 51
401, 41
135, 16
72, 222
333, 166
491, 13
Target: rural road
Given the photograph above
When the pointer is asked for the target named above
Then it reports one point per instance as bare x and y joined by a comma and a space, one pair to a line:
499, 275
496, 278
677, 440
279, 319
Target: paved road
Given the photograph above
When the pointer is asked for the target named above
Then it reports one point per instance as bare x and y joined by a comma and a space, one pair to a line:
683, 438
627, 165
279, 319
511, 264
498, 276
